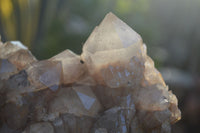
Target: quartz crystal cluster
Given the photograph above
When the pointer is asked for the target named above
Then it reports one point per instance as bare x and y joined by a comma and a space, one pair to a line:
112, 87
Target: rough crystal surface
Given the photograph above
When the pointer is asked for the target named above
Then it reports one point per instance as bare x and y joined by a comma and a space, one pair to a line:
112, 87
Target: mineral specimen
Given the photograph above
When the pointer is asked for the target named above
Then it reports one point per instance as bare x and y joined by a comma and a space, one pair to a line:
112, 87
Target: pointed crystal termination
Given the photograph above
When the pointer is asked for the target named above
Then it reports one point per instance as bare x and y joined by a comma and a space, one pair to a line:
112, 87
14, 54
116, 58
71, 66
45, 74
109, 48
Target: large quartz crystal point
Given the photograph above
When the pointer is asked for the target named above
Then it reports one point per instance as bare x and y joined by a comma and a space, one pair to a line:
117, 59
111, 51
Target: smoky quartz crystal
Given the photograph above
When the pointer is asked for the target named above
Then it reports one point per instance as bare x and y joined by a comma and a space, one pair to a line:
112, 87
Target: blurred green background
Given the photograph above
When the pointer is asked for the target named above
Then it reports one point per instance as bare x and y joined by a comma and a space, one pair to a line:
170, 28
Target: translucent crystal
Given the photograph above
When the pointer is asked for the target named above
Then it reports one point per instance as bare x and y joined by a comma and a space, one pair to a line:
71, 66
9, 48
22, 59
14, 57
45, 74
107, 47
112, 87
77, 100
114, 120
6, 69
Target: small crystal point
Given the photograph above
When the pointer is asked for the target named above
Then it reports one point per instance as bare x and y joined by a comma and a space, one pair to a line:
6, 66
71, 66
45, 74
10, 48
14, 54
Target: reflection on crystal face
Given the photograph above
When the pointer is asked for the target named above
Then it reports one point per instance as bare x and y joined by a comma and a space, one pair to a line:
112, 87
127, 73
44, 74
74, 101
127, 35
51, 78
129, 102
86, 100
6, 66
123, 124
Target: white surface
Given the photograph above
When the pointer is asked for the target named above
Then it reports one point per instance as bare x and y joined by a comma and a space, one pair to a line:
19, 44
